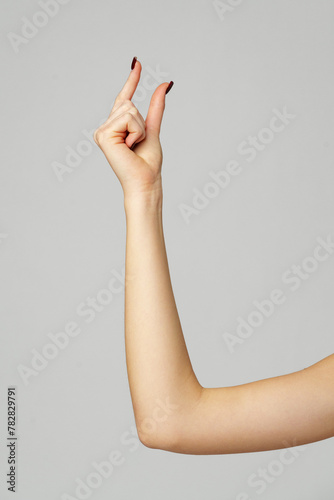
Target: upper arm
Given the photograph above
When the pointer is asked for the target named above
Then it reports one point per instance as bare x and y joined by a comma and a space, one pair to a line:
273, 413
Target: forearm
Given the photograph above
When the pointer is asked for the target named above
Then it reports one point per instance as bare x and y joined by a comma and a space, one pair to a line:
158, 364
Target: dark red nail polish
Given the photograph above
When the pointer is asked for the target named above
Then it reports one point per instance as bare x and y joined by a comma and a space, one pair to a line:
169, 87
133, 63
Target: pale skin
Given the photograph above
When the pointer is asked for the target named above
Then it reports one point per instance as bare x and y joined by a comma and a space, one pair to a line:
172, 410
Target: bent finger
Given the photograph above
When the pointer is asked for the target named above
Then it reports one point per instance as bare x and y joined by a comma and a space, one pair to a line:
118, 131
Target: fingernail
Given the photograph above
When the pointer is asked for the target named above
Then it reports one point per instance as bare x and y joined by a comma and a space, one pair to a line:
169, 87
133, 63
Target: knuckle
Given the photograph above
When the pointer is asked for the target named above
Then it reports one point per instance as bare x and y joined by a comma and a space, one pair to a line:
98, 136
129, 115
95, 136
125, 106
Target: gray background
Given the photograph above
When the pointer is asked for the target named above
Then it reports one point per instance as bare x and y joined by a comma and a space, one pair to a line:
60, 241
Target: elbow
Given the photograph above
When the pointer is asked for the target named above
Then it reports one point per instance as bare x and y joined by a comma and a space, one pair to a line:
157, 423
159, 435
159, 440
167, 426
147, 440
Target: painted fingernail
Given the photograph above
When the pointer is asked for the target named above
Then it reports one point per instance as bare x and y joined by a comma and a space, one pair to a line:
133, 63
169, 87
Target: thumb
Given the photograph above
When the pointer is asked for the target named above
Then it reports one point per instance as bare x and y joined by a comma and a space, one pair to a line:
156, 111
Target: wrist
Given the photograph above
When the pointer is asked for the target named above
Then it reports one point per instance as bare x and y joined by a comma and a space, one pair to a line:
144, 201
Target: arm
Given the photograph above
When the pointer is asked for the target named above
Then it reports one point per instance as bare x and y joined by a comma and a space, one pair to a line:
172, 410
273, 413
158, 364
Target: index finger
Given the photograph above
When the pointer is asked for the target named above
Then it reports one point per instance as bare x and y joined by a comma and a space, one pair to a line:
130, 85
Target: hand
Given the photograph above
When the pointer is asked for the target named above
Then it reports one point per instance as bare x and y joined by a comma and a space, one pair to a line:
138, 169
